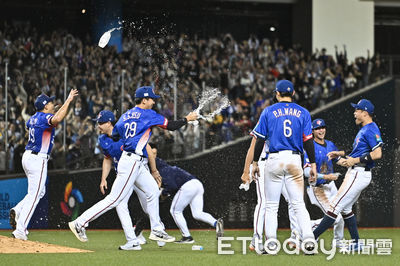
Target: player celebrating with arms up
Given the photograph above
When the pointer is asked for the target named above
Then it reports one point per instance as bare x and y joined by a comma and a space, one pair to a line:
41, 128
366, 149
287, 126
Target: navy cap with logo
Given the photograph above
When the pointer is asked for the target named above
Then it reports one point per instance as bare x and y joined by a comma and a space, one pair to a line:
105, 116
318, 123
364, 105
146, 92
284, 86
42, 100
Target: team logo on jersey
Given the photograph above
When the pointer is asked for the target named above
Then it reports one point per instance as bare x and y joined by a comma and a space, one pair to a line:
72, 199
378, 138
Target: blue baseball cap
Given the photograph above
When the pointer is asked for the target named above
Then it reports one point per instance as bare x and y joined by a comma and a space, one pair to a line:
284, 86
318, 123
364, 105
42, 100
105, 116
146, 92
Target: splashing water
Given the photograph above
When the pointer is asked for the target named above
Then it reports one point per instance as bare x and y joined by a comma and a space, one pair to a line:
211, 96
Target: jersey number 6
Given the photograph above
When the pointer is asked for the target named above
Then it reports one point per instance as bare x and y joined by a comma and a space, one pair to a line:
287, 130
130, 129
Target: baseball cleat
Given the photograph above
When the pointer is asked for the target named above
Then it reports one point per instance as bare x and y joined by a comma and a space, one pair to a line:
158, 235
185, 240
310, 249
141, 239
19, 235
13, 219
79, 233
132, 245
220, 228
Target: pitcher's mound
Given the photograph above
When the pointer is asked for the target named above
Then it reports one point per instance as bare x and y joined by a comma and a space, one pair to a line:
12, 245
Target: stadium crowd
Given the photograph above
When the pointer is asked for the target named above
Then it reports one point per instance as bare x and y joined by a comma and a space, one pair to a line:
245, 71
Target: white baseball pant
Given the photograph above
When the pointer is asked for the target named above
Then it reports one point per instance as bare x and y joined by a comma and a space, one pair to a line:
132, 170
190, 193
355, 181
35, 167
259, 211
321, 196
285, 168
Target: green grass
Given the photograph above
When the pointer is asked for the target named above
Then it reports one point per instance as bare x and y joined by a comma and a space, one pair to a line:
105, 246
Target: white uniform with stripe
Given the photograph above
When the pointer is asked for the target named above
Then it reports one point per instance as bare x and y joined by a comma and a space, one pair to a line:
134, 127
34, 162
259, 211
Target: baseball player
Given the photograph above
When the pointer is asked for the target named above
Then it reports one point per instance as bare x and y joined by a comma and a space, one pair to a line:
259, 211
134, 128
41, 129
188, 190
324, 190
367, 148
112, 153
288, 128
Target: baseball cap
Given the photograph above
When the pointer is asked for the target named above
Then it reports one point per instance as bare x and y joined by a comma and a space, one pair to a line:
364, 105
42, 100
146, 92
284, 86
105, 116
318, 123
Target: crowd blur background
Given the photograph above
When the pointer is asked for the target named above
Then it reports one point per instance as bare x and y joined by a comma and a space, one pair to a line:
43, 54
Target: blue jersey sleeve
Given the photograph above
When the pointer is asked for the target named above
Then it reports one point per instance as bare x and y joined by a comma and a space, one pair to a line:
260, 130
373, 138
118, 130
158, 120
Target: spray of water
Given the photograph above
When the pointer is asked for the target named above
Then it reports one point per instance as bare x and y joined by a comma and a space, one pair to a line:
212, 97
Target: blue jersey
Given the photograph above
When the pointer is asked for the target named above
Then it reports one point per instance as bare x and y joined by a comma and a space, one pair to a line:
324, 165
286, 125
111, 149
41, 133
367, 140
134, 128
173, 177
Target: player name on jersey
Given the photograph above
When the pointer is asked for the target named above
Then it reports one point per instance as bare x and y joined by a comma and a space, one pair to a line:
286, 111
134, 115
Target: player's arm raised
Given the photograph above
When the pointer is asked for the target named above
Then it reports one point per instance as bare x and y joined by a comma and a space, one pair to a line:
62, 112
177, 124
107, 164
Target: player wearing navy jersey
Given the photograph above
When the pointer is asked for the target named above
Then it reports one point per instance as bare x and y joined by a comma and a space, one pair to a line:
41, 128
188, 190
134, 128
324, 189
367, 148
287, 126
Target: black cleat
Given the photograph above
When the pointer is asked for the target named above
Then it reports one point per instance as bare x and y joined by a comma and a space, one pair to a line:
185, 240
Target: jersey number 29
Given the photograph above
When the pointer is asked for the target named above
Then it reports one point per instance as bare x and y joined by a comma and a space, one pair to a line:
287, 130
31, 135
130, 129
